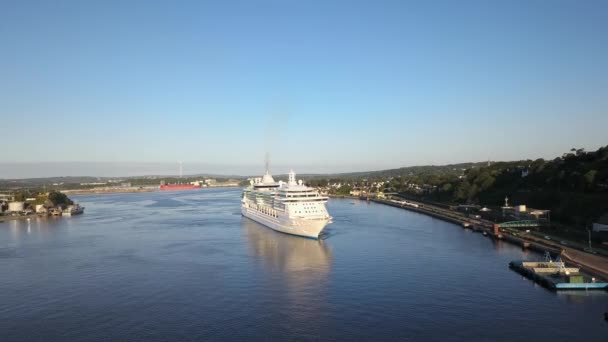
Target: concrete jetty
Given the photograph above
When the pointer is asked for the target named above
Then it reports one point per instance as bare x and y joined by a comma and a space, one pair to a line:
556, 276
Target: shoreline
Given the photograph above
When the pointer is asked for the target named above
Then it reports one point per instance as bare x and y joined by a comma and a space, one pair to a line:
104, 191
131, 190
591, 263
101, 191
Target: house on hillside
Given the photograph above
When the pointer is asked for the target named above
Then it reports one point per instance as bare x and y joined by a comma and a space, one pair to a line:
356, 192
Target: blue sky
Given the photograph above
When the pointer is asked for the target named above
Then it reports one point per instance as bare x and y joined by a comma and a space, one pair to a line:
320, 85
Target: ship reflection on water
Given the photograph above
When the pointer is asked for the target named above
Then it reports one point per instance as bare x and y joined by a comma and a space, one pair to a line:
297, 269
287, 253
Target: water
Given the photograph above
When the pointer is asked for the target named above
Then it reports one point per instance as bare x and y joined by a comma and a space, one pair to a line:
185, 266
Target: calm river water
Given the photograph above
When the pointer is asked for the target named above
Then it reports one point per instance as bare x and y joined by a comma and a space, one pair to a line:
185, 266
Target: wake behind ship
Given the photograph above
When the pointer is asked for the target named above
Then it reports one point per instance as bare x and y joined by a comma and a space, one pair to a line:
291, 207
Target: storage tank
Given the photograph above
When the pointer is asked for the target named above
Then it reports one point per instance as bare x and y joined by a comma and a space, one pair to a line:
15, 206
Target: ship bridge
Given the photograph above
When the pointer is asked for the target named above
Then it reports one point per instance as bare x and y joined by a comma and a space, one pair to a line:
293, 191
265, 182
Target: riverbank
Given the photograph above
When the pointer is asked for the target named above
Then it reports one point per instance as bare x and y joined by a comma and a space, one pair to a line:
110, 190
594, 264
124, 190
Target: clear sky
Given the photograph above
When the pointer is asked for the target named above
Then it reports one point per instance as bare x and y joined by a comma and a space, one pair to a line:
320, 85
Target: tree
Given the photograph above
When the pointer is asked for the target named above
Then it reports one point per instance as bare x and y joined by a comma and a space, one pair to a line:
19, 197
538, 165
484, 181
433, 180
344, 190
589, 178
462, 191
473, 191
447, 187
59, 199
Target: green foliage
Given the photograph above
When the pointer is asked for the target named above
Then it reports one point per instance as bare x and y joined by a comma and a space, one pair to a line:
59, 199
574, 187
462, 191
344, 190
40, 199
317, 182
590, 177
447, 187
484, 180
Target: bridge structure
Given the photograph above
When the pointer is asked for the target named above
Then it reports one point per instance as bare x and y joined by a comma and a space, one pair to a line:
520, 224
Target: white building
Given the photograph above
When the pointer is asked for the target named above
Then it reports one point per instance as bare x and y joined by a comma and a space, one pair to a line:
15, 206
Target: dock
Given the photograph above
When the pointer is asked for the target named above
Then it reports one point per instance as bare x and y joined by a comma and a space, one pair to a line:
555, 275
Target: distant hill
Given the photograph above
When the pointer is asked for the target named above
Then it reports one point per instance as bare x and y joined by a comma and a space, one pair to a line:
573, 186
438, 170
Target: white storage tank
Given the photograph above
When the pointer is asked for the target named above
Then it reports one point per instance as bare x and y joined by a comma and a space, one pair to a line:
15, 206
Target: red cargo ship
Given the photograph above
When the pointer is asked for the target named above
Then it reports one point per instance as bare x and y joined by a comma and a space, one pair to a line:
179, 186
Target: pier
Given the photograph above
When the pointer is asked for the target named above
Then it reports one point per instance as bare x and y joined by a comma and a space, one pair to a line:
556, 276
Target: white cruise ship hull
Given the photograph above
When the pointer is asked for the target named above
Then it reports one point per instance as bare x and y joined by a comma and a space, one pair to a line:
306, 227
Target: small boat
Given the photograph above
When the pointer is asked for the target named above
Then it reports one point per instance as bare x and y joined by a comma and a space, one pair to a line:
75, 209
485, 233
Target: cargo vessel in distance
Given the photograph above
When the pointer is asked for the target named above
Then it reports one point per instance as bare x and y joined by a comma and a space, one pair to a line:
168, 187
291, 207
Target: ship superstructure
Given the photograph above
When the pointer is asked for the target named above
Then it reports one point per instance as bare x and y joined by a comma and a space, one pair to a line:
291, 207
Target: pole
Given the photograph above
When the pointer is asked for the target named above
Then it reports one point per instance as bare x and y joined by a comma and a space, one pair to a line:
589, 230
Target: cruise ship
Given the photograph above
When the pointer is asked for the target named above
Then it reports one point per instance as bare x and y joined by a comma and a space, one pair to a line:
291, 207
